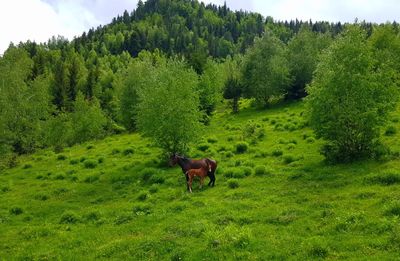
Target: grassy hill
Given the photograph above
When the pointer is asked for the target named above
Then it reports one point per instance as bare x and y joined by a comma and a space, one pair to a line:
274, 198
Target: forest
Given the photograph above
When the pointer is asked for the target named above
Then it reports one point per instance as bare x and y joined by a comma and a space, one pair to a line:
288, 108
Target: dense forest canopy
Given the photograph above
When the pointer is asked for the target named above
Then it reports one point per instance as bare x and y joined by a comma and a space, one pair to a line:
66, 92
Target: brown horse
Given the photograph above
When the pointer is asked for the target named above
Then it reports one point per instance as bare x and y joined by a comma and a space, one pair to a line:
187, 164
201, 172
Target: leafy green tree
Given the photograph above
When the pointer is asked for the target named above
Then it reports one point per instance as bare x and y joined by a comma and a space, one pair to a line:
168, 111
233, 86
210, 86
23, 103
139, 75
87, 120
350, 98
266, 70
303, 52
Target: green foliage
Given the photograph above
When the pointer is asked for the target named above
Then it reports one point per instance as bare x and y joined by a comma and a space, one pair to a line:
303, 52
390, 131
168, 112
233, 183
241, 147
90, 164
266, 70
210, 86
23, 103
260, 170
350, 97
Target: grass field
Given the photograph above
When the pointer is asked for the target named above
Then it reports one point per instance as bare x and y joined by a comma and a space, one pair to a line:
274, 199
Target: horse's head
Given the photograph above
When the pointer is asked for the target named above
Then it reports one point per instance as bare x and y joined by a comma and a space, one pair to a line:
173, 159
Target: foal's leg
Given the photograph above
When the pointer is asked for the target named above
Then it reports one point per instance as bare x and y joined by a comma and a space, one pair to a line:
201, 182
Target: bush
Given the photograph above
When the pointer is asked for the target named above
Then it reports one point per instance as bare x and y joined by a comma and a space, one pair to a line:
115, 151
74, 161
386, 179
390, 131
203, 147
91, 179
90, 164
90, 146
61, 157
247, 171
287, 159
100, 160
69, 218
153, 189
27, 166
142, 196
277, 152
212, 140
352, 128
260, 170
237, 173
16, 211
310, 140
128, 151
241, 147
229, 154
233, 183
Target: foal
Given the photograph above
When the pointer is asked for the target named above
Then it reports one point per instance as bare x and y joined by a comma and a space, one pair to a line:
201, 172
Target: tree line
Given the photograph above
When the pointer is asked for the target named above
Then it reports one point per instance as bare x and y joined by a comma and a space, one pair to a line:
169, 63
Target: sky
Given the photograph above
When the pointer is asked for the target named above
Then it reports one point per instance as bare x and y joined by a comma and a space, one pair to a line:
39, 20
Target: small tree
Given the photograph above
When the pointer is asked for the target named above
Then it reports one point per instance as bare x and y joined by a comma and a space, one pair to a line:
266, 70
168, 109
233, 90
350, 97
87, 120
303, 52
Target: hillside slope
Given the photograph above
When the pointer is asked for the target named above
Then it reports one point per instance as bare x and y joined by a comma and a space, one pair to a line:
113, 199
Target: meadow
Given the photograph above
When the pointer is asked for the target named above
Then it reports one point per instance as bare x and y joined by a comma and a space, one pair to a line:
275, 198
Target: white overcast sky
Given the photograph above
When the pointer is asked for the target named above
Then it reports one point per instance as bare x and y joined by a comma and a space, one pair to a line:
38, 20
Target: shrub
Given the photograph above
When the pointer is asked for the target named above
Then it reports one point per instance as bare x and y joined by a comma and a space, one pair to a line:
229, 154
141, 209
69, 218
61, 157
27, 166
128, 151
247, 171
277, 152
59, 177
352, 128
203, 147
234, 173
100, 160
16, 211
212, 140
91, 179
390, 131
90, 164
241, 147
115, 151
233, 183
74, 161
90, 146
386, 179
153, 189
310, 140
82, 159
142, 196
260, 170
287, 159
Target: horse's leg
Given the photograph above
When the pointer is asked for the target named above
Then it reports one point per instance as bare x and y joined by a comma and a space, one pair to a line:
187, 181
190, 184
212, 178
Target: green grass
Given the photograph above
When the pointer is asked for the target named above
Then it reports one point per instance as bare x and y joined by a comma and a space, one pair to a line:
276, 200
